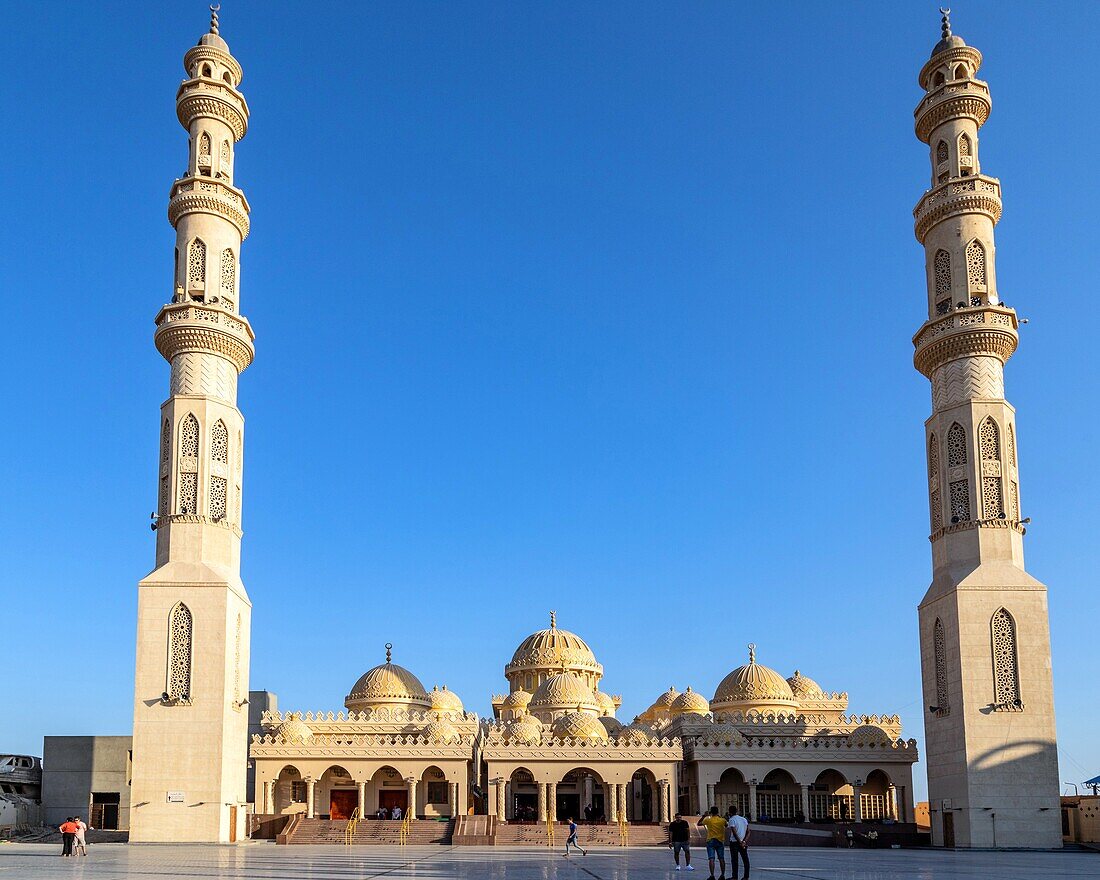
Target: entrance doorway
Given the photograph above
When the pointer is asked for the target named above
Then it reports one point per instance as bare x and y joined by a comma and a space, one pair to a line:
526, 807
949, 830
342, 803
391, 799
105, 810
568, 807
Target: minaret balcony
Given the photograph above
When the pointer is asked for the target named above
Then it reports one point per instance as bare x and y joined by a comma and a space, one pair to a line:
205, 328
208, 195
208, 97
968, 332
972, 194
957, 98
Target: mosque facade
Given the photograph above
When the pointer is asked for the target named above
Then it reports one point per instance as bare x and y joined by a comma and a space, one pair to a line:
779, 747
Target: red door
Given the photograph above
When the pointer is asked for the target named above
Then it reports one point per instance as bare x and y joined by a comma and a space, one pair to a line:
391, 799
342, 803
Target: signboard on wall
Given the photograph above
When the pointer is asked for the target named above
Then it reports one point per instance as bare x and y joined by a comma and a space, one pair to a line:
175, 797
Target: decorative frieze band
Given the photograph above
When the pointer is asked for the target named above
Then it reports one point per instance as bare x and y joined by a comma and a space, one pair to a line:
182, 331
963, 105
1015, 525
209, 197
972, 196
198, 54
998, 342
201, 98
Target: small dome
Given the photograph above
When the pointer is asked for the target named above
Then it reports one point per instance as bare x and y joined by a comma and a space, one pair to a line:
953, 41
441, 733
444, 700
724, 734
753, 686
387, 685
553, 648
565, 689
606, 704
690, 702
803, 687
580, 725
525, 731
869, 735
636, 734
516, 700
293, 729
661, 706
611, 725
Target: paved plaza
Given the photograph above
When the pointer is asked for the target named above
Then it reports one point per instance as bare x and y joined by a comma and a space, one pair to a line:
263, 861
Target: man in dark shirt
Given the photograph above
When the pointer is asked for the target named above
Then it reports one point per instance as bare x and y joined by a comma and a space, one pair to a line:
679, 838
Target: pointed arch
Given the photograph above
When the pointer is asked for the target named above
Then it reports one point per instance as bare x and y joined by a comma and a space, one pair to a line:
939, 644
941, 275
224, 158
219, 443
956, 445
934, 482
1006, 670
964, 144
180, 638
165, 458
975, 265
989, 440
229, 279
188, 465
196, 263
219, 470
939, 79
961, 72
989, 448
941, 152
204, 144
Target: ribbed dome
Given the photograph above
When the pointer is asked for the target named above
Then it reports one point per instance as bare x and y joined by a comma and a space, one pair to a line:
441, 733
526, 730
803, 687
564, 690
293, 729
662, 705
516, 700
580, 725
444, 700
690, 702
636, 734
869, 735
388, 685
553, 648
611, 725
753, 686
606, 704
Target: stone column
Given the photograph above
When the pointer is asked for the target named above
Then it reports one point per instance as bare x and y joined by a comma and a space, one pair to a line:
411, 782
712, 789
611, 792
362, 799
454, 800
752, 801
589, 793
309, 798
905, 804
509, 810
267, 807
542, 801
623, 798
662, 800
552, 800
670, 792
502, 800
857, 807
891, 802
805, 802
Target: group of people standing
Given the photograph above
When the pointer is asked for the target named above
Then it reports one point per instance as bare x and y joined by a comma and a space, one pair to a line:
72, 837
732, 830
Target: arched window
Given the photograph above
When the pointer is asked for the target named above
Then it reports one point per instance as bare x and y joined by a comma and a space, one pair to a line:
219, 470
941, 152
989, 448
934, 483
975, 265
204, 144
956, 445
964, 145
1006, 672
196, 265
941, 269
229, 279
939, 78
228, 79
180, 634
165, 477
207, 70
224, 156
960, 72
940, 647
189, 465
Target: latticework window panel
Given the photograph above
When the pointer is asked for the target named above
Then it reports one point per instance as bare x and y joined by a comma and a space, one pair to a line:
219, 488
219, 443
956, 445
975, 264
964, 146
941, 152
196, 262
229, 278
992, 498
960, 500
189, 437
934, 483
940, 646
989, 440
1006, 673
1014, 500
1011, 445
225, 156
180, 635
165, 479
189, 492
941, 267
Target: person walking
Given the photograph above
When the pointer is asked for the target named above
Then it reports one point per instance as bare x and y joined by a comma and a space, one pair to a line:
79, 843
679, 840
572, 838
716, 841
68, 834
738, 840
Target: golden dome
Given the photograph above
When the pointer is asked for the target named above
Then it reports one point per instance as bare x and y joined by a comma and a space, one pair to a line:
606, 704
550, 649
611, 725
803, 687
661, 706
441, 733
388, 685
754, 687
869, 735
516, 700
293, 729
690, 702
526, 731
636, 734
444, 700
580, 725
564, 690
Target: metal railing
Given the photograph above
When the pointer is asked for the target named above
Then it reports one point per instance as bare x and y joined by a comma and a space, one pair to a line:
406, 827
549, 830
624, 831
349, 829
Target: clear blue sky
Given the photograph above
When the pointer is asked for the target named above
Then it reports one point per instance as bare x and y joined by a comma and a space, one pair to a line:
604, 308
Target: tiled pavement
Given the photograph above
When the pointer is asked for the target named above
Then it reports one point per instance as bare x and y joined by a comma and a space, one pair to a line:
265, 861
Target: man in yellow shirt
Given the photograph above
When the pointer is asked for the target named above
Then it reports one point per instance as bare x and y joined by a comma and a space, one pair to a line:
716, 840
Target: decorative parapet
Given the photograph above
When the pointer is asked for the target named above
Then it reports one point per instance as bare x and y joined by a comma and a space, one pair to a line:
966, 332
967, 98
207, 195
951, 528
361, 746
204, 328
319, 720
197, 54
973, 194
722, 745
209, 97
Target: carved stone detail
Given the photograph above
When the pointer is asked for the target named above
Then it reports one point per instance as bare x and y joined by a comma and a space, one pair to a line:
966, 379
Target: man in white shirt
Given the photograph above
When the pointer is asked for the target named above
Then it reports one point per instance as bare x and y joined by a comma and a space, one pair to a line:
397, 813
738, 829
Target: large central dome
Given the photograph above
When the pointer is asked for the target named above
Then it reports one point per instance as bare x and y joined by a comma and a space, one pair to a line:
754, 688
388, 685
548, 652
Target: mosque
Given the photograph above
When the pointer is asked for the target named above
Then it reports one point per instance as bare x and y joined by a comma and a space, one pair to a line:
782, 748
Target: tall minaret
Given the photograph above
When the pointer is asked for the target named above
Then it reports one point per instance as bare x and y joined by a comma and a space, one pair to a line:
985, 640
191, 686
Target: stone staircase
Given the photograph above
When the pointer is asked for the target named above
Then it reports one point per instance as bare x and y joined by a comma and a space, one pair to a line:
369, 832
532, 834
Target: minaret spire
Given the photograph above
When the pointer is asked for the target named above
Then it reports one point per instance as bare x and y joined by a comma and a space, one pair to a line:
945, 23
214, 8
985, 640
